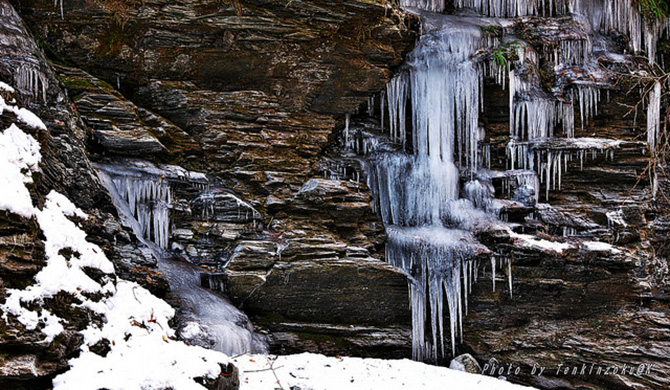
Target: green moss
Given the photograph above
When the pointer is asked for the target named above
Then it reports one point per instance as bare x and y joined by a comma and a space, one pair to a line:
76, 82
654, 10
493, 31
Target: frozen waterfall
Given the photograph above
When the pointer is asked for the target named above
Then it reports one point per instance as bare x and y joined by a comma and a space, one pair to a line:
142, 196
428, 171
417, 192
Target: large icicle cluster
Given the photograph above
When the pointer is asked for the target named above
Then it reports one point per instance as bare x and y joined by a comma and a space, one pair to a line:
417, 194
440, 263
427, 5
32, 81
149, 199
623, 16
145, 187
445, 114
550, 157
514, 8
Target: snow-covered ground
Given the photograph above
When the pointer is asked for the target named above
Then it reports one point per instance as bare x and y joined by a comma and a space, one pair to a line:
310, 371
144, 353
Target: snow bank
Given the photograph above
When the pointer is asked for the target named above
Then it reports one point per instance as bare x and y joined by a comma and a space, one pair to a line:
135, 323
317, 372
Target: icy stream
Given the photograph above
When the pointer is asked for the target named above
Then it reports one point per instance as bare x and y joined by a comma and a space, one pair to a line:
142, 196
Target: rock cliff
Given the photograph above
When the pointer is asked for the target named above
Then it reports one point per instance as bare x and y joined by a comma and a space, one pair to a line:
268, 99
250, 96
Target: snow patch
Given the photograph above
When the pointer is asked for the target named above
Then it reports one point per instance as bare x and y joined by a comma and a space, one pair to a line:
599, 247
5, 87
317, 372
525, 240
19, 156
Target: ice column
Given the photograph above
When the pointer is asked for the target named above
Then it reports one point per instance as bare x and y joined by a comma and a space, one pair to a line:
149, 200
438, 260
654, 116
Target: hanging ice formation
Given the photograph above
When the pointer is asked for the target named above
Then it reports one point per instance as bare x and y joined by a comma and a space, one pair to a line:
59, 4
32, 81
550, 157
146, 190
432, 140
653, 116
428, 5
440, 260
653, 129
623, 16
514, 8
417, 193
535, 113
496, 8
149, 199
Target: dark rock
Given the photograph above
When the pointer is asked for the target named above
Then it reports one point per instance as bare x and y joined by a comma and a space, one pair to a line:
466, 363
319, 55
119, 126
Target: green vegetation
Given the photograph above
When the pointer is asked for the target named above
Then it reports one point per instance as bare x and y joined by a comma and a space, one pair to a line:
492, 30
655, 9
502, 54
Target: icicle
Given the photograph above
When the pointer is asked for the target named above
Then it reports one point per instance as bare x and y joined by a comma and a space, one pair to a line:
654, 117
32, 81
383, 109
396, 91
59, 5
509, 276
493, 272
347, 121
427, 5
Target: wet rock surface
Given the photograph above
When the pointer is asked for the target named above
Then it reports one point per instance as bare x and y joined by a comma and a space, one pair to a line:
255, 99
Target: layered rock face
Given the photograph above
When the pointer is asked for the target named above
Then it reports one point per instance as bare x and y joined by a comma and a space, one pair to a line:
249, 94
254, 95
27, 361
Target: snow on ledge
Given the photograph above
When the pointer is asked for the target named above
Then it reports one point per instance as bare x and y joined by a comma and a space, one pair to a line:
596, 246
528, 241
